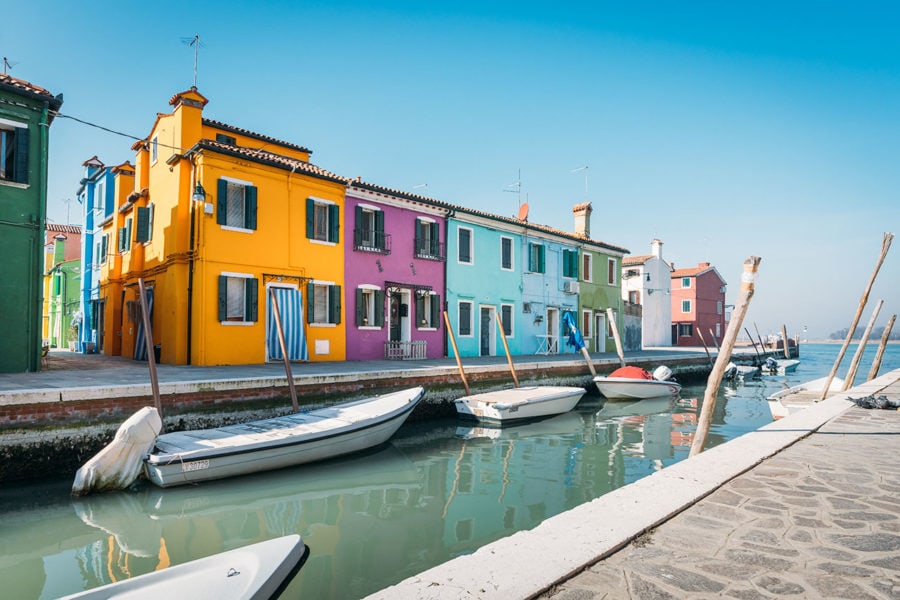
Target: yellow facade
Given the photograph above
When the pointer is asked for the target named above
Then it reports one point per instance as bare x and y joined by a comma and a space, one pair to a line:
202, 255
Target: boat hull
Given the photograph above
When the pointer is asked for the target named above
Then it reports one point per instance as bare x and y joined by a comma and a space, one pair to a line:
518, 404
195, 456
635, 389
255, 572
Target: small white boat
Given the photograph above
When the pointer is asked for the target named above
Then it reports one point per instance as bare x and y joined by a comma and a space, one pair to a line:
200, 455
793, 399
782, 366
515, 404
255, 572
634, 383
735, 372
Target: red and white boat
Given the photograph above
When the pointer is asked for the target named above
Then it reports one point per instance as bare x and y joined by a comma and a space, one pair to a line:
635, 383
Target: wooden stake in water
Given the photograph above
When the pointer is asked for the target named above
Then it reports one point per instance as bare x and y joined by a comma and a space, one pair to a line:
860, 347
462, 373
151, 355
615, 329
284, 353
512, 369
784, 342
714, 340
876, 363
748, 281
703, 341
885, 246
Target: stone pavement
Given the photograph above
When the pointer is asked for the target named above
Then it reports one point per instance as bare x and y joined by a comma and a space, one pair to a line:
805, 507
820, 519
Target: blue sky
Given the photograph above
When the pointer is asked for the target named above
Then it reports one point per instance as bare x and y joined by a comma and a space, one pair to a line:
724, 129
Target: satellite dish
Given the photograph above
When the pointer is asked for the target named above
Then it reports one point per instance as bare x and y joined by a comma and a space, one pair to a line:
523, 212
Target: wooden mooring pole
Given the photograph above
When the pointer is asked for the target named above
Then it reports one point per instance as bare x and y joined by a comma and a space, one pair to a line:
512, 369
784, 342
151, 355
462, 372
287, 361
748, 282
615, 329
885, 246
702, 341
876, 362
860, 347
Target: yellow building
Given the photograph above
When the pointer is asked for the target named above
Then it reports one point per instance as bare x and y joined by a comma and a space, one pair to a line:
219, 220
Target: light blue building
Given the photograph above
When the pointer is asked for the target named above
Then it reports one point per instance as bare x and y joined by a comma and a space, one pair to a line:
96, 194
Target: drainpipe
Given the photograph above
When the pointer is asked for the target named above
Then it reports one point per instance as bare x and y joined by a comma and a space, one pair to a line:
34, 348
449, 214
190, 287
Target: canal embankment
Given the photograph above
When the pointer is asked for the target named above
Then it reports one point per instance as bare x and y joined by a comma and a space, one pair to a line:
51, 422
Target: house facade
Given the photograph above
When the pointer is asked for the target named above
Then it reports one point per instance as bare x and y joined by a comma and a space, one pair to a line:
221, 223
63, 273
647, 281
698, 306
26, 113
395, 245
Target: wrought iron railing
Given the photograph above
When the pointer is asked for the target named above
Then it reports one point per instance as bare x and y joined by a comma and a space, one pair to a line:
429, 249
366, 240
408, 350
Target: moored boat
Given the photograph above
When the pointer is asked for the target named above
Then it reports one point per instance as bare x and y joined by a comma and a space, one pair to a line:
782, 366
256, 572
790, 400
635, 383
516, 404
200, 455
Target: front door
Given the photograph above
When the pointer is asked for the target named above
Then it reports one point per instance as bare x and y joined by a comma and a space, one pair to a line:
552, 330
600, 332
395, 317
487, 331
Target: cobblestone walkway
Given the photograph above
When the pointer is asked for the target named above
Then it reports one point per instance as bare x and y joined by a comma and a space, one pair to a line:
821, 519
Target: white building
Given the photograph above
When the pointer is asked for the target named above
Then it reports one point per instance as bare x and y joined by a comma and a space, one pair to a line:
647, 281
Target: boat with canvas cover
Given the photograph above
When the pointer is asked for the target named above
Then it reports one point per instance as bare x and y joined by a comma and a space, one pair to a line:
517, 404
256, 572
635, 383
199, 455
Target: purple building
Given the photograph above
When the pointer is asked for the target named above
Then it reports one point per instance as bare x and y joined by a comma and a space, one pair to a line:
394, 274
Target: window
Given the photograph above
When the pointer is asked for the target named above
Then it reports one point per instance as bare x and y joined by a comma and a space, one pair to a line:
236, 204
506, 316
718, 330
685, 306
125, 236
324, 305
322, 221
237, 298
154, 149
369, 232
536, 258
144, 231
570, 263
685, 329
685, 282
611, 271
634, 297
718, 307
13, 152
428, 311
427, 240
464, 238
610, 323
226, 139
506, 253
587, 267
586, 324
465, 318
103, 248
369, 307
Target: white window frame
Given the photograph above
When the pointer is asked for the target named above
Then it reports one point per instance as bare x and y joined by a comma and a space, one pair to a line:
368, 291
318, 285
512, 253
427, 299
244, 323
512, 318
471, 323
718, 307
471, 245
231, 181
685, 283
612, 275
587, 316
688, 304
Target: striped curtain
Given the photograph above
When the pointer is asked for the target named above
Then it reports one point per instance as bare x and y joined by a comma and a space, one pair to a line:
290, 305
140, 346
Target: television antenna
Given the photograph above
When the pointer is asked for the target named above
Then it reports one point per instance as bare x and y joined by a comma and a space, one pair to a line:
420, 187
7, 65
516, 188
585, 169
194, 42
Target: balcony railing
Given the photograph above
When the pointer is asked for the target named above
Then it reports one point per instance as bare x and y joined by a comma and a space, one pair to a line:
408, 350
366, 240
429, 249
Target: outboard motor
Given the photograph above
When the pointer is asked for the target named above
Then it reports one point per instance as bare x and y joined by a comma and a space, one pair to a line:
730, 373
662, 373
771, 365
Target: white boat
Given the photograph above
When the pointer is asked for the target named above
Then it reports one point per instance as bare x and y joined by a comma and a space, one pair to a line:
515, 404
790, 400
200, 455
782, 366
634, 383
735, 372
255, 572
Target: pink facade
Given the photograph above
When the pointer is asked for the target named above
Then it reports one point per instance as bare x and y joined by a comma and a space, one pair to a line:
394, 275
698, 306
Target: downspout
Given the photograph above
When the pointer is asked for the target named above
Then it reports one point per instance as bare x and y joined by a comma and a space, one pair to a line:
450, 213
190, 286
34, 349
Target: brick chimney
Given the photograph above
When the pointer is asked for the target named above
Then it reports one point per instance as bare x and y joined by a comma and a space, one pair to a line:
582, 214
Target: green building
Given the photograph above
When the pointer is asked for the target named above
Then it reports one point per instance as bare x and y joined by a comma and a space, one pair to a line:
26, 112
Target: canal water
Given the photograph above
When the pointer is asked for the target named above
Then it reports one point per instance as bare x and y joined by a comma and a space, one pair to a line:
437, 490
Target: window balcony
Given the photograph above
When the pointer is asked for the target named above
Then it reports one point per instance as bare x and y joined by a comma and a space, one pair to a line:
429, 249
366, 240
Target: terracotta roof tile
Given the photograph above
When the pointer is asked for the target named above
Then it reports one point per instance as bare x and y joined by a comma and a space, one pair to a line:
63, 228
253, 134
636, 260
271, 158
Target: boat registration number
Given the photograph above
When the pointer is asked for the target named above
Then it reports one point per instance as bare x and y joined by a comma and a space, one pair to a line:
197, 465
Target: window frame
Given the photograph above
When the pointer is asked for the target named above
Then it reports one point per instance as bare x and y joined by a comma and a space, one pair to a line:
686, 302
506, 251
686, 327
469, 329
470, 246
250, 195
332, 308
509, 329
154, 149
536, 258
685, 283
14, 152
587, 267
332, 225
250, 289
428, 309
611, 271
570, 263
368, 300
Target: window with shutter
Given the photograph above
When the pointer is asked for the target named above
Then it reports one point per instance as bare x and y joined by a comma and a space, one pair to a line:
142, 231
236, 204
506, 253
465, 318
464, 237
238, 299
506, 316
325, 307
13, 153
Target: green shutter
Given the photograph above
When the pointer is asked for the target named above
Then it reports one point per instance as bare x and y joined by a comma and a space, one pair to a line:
310, 219
541, 264
142, 233
21, 157
310, 302
360, 309
222, 202
251, 289
120, 243
334, 304
435, 310
420, 310
223, 297
250, 199
334, 223
379, 308
379, 230
435, 239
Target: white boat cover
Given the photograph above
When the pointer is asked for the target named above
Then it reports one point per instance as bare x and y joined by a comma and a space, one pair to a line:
118, 465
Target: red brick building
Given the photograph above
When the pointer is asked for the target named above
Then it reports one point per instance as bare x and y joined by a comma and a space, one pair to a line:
698, 306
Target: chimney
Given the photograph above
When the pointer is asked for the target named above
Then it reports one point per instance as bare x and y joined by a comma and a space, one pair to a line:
656, 248
582, 214
704, 265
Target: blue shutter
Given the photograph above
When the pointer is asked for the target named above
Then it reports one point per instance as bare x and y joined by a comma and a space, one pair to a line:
310, 302
250, 199
142, 233
334, 223
251, 289
310, 222
334, 304
222, 202
223, 297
